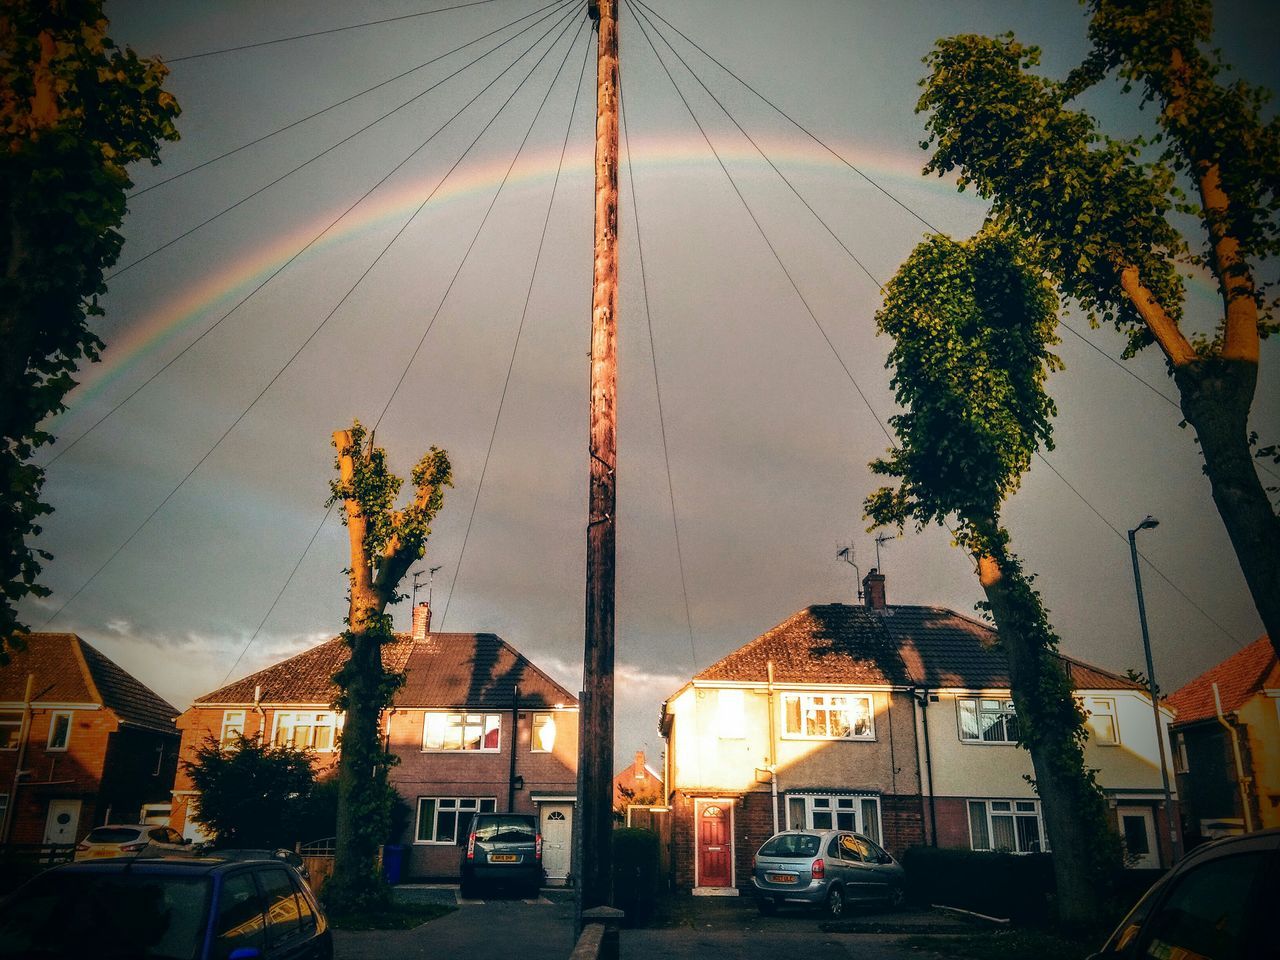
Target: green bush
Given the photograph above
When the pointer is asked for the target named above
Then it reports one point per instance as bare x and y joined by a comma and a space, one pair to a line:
635, 873
1019, 887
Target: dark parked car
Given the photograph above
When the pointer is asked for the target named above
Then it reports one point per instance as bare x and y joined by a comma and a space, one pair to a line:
825, 868
1218, 903
502, 849
167, 909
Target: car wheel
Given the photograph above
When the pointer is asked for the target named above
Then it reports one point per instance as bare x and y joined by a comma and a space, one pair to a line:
835, 903
767, 906
897, 897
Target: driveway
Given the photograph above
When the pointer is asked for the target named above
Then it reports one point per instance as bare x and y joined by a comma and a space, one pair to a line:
696, 928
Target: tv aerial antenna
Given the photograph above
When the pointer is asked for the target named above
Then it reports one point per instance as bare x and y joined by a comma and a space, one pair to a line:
846, 553
881, 538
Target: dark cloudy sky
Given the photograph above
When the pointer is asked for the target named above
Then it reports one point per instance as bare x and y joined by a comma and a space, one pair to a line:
768, 439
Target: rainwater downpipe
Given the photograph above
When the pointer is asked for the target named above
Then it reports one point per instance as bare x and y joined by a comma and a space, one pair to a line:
773, 748
515, 737
1234, 734
922, 697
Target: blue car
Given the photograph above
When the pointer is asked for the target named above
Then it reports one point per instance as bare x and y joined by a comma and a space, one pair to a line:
166, 909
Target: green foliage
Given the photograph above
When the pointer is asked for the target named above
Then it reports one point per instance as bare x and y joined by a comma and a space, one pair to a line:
251, 794
636, 861
972, 324
75, 110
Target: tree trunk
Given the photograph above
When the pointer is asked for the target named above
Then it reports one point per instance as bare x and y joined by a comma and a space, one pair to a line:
1050, 728
355, 855
1216, 397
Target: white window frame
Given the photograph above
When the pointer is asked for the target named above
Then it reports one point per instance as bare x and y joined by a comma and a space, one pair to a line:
1180, 763
980, 706
312, 720
1013, 809
50, 746
1103, 707
828, 704
231, 726
471, 805
847, 812
536, 722
461, 722
16, 723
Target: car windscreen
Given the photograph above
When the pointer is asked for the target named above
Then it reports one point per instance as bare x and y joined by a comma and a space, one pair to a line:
108, 916
799, 846
114, 835
504, 829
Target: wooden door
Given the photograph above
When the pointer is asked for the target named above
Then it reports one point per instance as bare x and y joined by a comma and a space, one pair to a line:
715, 844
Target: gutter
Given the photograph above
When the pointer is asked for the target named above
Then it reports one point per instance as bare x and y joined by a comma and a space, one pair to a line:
1234, 734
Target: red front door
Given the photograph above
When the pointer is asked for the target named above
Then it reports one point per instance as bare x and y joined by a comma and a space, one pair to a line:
715, 844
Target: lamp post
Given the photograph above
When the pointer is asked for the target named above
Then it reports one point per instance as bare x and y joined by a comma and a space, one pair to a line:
1150, 523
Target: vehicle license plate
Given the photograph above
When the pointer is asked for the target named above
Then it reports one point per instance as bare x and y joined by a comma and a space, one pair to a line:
781, 877
104, 853
503, 858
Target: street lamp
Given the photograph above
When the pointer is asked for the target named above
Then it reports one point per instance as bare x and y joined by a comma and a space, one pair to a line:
1150, 523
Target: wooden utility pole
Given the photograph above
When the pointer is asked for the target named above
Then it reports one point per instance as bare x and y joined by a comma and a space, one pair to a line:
595, 762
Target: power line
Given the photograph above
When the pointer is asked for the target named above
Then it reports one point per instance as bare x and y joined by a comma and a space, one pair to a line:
314, 240
493, 433
314, 332
769, 243
657, 384
333, 106
320, 33
182, 236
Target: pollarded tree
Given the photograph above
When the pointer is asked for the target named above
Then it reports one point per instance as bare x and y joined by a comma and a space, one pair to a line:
75, 111
385, 542
973, 324
1104, 219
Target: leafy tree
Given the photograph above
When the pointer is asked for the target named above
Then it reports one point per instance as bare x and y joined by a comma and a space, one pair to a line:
75, 111
973, 324
385, 542
1105, 216
251, 794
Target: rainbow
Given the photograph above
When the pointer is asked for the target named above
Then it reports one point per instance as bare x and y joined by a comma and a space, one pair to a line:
194, 305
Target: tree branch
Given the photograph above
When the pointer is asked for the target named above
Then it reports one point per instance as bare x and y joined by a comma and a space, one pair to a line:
1162, 326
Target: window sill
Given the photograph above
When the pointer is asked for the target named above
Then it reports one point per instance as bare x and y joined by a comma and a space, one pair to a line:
989, 743
492, 751
801, 738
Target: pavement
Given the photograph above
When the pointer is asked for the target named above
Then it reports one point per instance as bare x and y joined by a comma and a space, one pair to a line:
689, 928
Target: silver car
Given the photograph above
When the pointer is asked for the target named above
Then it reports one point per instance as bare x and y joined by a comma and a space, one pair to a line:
825, 868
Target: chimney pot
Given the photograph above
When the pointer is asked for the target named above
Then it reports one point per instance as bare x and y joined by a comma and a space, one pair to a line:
873, 590
421, 620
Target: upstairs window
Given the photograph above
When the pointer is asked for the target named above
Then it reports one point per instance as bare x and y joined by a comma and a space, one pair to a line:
59, 730
543, 733
827, 716
302, 729
462, 731
232, 727
1102, 721
10, 729
731, 716
987, 721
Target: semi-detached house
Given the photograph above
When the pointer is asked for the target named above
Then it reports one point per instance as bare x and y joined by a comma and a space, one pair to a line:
476, 726
892, 720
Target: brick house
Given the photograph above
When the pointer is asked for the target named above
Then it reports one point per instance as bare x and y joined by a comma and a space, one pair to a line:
476, 727
82, 742
637, 784
1226, 752
892, 720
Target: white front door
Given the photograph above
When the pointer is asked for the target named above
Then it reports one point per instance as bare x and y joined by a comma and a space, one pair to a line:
1138, 831
557, 839
63, 820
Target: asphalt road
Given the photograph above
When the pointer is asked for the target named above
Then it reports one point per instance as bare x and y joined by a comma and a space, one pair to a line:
542, 929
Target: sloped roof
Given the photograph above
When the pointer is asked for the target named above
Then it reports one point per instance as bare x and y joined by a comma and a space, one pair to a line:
306, 677
444, 670
69, 670
899, 645
475, 670
1239, 678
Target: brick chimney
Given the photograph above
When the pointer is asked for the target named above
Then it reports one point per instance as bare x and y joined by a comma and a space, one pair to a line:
421, 620
873, 590
639, 771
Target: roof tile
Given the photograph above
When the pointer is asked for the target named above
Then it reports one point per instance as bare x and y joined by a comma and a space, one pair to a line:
1239, 678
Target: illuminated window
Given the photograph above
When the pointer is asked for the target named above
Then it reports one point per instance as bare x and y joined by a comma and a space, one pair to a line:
730, 714
988, 721
232, 726
1102, 721
823, 716
543, 733
300, 729
461, 731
